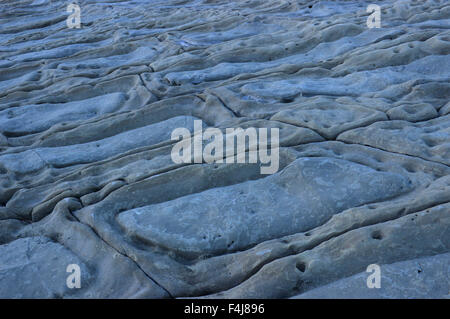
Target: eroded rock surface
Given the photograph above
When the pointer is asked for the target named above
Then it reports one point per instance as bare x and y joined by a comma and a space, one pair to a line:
424, 278
87, 178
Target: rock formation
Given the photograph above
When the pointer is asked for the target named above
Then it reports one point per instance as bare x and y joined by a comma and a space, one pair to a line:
87, 178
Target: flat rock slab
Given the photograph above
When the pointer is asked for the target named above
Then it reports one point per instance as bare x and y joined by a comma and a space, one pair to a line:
429, 139
35, 267
304, 195
422, 278
87, 177
330, 119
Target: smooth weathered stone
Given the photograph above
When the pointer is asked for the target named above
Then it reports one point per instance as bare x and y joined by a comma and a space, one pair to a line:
412, 112
86, 173
422, 234
424, 278
101, 260
429, 140
330, 119
37, 118
62, 156
445, 109
304, 195
35, 267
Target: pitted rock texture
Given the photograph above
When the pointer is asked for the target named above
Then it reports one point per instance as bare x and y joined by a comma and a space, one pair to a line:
87, 178
405, 279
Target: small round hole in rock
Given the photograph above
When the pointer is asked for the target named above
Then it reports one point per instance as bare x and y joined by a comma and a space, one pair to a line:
287, 100
301, 266
377, 235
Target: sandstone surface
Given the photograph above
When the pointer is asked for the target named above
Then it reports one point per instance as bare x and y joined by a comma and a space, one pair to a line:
87, 177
